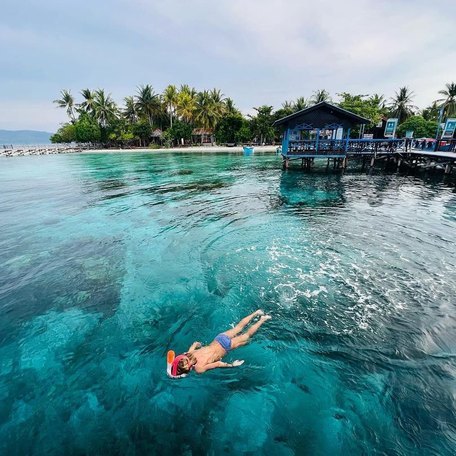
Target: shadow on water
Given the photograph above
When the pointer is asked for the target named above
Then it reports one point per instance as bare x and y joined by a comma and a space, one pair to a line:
305, 190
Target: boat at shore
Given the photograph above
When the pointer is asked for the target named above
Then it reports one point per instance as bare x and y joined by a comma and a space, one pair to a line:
248, 150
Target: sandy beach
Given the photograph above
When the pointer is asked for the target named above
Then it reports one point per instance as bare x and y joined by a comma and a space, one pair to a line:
21, 151
193, 149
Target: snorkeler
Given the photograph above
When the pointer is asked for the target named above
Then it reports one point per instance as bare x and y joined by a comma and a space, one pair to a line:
201, 359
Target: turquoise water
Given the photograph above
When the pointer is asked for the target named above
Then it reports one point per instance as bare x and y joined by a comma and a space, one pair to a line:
109, 260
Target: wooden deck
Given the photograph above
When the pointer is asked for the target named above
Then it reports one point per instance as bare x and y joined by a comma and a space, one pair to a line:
358, 147
392, 152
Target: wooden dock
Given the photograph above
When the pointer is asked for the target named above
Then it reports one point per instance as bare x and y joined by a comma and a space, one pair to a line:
323, 131
393, 152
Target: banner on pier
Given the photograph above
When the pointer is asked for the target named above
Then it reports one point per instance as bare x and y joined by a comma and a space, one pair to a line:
390, 128
448, 129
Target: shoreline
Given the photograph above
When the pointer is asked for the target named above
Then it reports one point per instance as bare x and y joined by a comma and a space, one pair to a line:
197, 149
27, 151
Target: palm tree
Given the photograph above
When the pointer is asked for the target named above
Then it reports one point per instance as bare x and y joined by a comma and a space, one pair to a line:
218, 104
449, 102
185, 104
300, 104
288, 105
130, 112
205, 111
104, 108
230, 108
170, 101
147, 102
66, 101
401, 104
378, 101
185, 88
431, 112
261, 124
89, 100
319, 96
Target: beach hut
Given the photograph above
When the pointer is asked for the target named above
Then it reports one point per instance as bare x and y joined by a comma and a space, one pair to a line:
320, 131
202, 136
157, 135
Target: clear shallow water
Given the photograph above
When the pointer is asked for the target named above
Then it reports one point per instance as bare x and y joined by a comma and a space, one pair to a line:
108, 261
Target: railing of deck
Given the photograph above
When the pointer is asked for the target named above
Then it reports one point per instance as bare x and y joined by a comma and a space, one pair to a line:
343, 146
375, 145
448, 145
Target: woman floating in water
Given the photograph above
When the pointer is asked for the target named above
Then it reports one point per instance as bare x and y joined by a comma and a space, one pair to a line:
202, 359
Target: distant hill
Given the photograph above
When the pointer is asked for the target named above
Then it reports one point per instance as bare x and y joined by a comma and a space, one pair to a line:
24, 137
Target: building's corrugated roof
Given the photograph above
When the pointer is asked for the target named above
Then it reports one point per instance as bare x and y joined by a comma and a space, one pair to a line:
323, 106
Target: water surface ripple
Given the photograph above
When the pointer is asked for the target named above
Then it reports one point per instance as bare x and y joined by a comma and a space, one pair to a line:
109, 260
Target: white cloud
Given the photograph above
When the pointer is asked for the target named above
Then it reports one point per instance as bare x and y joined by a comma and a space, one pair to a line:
257, 52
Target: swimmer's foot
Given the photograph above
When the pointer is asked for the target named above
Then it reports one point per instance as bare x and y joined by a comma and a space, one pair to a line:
265, 317
259, 312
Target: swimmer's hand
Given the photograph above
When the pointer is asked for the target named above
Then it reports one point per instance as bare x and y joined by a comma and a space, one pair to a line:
195, 346
237, 362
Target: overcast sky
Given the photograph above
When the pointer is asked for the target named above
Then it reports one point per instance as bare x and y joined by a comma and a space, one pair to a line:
256, 51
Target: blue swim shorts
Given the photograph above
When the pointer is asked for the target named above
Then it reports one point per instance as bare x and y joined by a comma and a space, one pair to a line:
224, 341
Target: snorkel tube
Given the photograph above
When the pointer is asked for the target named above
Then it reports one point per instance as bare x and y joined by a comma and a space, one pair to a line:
171, 365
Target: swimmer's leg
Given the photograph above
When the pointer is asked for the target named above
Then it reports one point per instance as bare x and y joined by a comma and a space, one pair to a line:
244, 338
243, 323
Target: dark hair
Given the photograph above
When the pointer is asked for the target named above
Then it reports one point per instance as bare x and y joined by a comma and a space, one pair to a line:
181, 369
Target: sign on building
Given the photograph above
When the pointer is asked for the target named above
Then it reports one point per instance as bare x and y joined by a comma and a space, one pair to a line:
448, 129
390, 127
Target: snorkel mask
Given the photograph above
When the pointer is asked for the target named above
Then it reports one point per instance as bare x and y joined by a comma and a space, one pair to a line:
171, 364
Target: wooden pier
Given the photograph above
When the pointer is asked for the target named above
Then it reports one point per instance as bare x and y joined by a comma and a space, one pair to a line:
323, 132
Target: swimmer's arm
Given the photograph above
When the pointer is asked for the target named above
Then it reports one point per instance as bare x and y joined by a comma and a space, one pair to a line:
212, 366
194, 346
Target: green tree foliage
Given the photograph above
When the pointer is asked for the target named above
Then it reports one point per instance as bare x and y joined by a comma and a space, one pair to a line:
401, 105
449, 102
300, 104
66, 101
170, 98
65, 134
209, 109
421, 127
290, 107
87, 130
261, 124
147, 102
431, 112
370, 107
319, 96
119, 132
88, 105
230, 108
97, 118
244, 135
229, 128
130, 112
180, 130
104, 109
186, 103
142, 131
